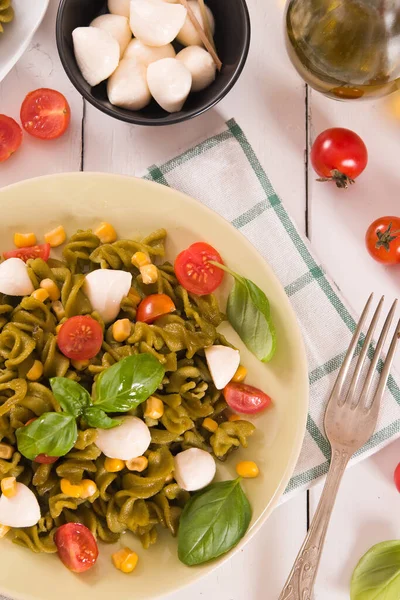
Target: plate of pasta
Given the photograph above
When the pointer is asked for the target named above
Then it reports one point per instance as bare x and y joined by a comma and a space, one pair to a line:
153, 389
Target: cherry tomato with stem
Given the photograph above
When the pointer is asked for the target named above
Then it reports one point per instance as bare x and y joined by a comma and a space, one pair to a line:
10, 137
45, 114
339, 155
154, 306
80, 338
246, 399
76, 547
194, 271
383, 240
39, 251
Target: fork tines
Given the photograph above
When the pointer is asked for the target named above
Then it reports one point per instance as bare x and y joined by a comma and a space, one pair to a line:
366, 349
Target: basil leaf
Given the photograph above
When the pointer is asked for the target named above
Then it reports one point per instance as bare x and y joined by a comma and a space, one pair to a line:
248, 312
72, 397
96, 417
128, 383
213, 521
377, 575
52, 433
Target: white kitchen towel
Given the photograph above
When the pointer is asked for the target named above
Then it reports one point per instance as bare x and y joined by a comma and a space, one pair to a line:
224, 173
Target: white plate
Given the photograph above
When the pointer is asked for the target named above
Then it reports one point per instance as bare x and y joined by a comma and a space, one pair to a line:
18, 34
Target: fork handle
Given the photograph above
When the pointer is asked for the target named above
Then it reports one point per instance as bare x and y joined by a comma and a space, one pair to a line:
300, 583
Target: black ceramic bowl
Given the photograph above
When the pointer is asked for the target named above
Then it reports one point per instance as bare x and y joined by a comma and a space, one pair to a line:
232, 39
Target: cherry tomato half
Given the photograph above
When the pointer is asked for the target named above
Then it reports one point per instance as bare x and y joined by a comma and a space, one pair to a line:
45, 114
154, 306
193, 269
246, 399
10, 137
340, 155
76, 547
80, 338
383, 240
42, 458
40, 251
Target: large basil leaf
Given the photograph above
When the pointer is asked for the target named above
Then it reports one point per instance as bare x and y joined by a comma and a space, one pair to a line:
128, 383
213, 522
95, 417
72, 397
377, 575
52, 433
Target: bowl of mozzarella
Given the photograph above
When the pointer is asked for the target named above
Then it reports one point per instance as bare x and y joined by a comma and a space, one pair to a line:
153, 62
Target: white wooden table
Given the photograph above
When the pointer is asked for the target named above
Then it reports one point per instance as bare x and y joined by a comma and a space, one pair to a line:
280, 117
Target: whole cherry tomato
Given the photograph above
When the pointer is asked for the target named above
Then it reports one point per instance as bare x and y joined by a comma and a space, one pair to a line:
154, 306
244, 398
383, 240
339, 155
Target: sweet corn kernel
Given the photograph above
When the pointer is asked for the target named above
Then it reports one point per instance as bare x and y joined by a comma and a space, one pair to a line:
35, 372
125, 560
154, 408
6, 451
69, 489
40, 295
56, 236
134, 296
247, 469
113, 465
210, 424
59, 327
234, 418
4, 529
88, 488
149, 274
121, 330
22, 240
9, 486
140, 259
51, 288
240, 374
58, 310
138, 464
80, 365
106, 233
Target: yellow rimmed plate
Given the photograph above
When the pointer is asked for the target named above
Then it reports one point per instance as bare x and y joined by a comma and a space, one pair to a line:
136, 207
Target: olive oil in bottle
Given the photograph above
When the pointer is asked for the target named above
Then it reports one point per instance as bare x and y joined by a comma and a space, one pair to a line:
346, 49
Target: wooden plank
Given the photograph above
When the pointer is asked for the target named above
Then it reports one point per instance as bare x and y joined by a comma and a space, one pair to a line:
40, 67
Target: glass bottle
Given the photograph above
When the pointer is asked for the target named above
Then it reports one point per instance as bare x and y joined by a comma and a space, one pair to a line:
346, 49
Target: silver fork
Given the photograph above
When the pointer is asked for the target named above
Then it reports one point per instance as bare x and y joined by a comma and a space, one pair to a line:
350, 421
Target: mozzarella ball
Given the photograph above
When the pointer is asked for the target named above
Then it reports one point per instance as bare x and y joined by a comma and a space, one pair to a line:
129, 440
118, 27
14, 278
120, 7
222, 363
155, 22
22, 510
96, 52
148, 54
188, 35
169, 82
105, 289
127, 86
200, 64
194, 469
